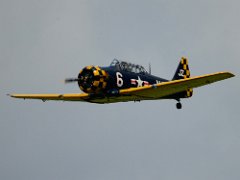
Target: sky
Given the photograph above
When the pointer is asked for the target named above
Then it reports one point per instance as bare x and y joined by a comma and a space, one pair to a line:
44, 42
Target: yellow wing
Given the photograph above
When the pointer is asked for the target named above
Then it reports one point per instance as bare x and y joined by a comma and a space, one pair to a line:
162, 90
45, 97
157, 91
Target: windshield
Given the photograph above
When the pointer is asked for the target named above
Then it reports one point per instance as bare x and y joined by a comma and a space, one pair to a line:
125, 66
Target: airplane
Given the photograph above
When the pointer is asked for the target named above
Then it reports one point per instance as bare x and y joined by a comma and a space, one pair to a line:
123, 81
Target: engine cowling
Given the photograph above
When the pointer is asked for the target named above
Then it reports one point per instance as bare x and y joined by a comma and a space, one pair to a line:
92, 79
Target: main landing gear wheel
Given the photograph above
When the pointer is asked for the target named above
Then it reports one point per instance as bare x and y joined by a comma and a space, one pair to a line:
179, 105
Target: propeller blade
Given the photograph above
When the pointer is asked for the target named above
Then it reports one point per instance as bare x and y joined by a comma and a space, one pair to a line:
70, 80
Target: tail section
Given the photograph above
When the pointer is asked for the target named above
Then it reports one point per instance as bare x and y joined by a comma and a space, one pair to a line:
183, 72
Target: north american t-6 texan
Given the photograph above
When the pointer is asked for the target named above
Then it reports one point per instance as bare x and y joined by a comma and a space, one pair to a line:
123, 81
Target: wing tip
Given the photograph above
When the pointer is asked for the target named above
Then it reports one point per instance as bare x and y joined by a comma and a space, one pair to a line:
229, 74
10, 95
232, 75
13, 95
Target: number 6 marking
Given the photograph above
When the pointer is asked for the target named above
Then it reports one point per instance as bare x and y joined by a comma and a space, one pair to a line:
119, 79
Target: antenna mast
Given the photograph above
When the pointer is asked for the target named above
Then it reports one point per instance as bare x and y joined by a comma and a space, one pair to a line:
150, 69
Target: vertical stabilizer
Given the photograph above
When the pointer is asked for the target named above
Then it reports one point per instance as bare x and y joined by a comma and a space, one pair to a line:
183, 72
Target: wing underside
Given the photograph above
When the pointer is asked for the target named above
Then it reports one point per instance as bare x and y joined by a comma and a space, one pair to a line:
151, 92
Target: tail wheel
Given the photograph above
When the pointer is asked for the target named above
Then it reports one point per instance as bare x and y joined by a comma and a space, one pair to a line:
179, 105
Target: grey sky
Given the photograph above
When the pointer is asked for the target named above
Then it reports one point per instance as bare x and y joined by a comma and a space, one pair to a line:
43, 42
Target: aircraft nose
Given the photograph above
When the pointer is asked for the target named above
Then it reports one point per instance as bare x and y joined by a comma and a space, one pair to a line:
92, 79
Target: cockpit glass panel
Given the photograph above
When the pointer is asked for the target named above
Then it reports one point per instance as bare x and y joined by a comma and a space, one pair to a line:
114, 62
125, 66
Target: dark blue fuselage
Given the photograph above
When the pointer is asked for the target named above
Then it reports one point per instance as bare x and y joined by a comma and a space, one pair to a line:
122, 79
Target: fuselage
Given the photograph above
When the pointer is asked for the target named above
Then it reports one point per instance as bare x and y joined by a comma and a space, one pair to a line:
121, 79
107, 82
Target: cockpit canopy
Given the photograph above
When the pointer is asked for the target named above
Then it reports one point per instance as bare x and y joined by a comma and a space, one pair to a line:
125, 66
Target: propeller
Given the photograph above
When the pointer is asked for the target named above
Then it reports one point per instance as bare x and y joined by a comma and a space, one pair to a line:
70, 80
91, 79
